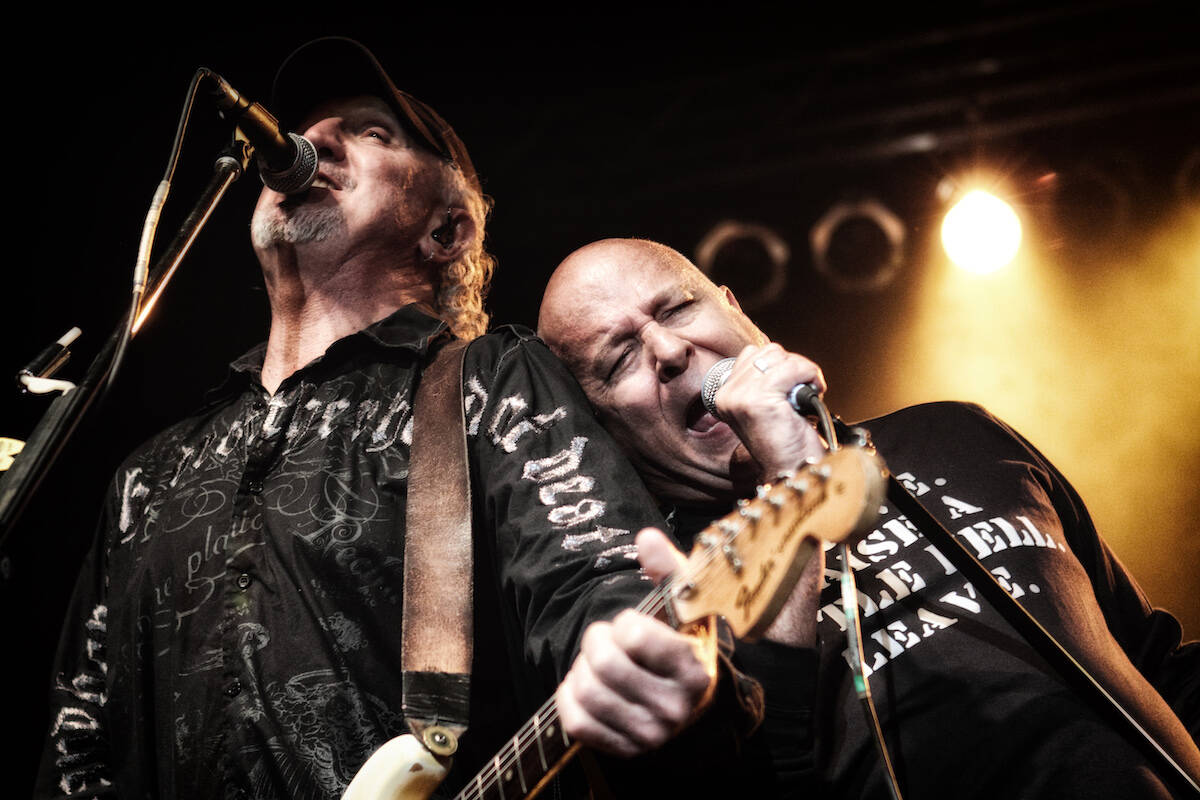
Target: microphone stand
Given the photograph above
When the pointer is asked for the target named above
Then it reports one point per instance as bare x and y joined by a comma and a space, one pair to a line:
48, 438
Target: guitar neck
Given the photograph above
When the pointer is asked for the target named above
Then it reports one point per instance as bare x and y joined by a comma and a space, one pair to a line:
527, 762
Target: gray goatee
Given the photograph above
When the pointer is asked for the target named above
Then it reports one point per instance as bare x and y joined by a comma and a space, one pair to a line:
304, 224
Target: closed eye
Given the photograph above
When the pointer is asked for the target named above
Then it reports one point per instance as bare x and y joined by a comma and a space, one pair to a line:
619, 363
678, 308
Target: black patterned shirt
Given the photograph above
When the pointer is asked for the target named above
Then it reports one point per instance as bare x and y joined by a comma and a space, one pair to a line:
235, 631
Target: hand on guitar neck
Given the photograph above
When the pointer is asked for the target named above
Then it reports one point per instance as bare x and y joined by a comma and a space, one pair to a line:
637, 682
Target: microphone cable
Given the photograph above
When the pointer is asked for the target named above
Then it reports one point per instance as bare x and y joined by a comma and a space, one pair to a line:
141, 267
862, 686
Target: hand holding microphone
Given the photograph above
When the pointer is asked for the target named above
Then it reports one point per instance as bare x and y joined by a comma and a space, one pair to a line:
765, 395
800, 396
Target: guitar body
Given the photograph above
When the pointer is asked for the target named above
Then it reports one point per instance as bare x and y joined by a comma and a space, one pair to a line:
403, 769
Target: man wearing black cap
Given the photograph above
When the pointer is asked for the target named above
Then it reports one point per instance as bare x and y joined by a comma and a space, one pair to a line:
236, 631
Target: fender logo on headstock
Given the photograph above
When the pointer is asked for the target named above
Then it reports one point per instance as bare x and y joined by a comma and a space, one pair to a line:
745, 565
746, 595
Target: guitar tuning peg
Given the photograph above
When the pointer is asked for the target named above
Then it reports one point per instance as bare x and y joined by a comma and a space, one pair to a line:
751, 513
732, 556
860, 437
797, 485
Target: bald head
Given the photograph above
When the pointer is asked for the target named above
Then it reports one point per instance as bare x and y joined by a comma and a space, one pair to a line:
592, 276
639, 325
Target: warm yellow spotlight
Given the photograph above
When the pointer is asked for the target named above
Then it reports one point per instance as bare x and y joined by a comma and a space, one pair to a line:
981, 233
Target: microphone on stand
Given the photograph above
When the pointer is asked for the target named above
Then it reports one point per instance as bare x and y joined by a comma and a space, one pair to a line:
287, 162
803, 397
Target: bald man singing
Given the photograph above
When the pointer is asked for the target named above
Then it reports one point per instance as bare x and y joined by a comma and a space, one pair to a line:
966, 706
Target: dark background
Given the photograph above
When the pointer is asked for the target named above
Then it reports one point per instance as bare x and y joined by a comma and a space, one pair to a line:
659, 123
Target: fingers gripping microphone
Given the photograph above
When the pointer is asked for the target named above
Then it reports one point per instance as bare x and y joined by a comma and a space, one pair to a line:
287, 162
802, 397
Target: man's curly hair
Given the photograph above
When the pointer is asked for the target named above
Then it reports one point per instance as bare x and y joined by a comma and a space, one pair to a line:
463, 283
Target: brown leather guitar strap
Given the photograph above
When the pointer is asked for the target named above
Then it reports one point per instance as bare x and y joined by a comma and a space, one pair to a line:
438, 577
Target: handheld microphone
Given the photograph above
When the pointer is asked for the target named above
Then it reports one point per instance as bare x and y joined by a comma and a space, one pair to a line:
803, 397
287, 162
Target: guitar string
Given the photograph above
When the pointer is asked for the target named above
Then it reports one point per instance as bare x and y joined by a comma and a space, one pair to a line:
651, 604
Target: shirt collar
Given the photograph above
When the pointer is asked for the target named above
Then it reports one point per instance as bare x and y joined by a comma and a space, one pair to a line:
412, 327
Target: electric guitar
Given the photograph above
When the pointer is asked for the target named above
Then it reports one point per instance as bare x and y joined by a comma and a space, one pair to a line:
742, 567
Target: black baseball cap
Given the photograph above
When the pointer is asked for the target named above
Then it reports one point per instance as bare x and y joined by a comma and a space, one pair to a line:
337, 66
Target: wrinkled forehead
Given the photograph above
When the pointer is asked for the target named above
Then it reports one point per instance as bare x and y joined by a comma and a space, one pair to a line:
619, 302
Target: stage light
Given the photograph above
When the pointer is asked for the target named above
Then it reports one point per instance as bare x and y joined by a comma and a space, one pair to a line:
858, 245
981, 233
748, 257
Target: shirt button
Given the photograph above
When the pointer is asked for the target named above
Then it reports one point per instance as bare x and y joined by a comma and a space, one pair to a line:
244, 580
234, 688
254, 486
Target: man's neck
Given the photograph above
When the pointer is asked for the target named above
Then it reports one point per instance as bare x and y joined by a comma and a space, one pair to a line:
311, 308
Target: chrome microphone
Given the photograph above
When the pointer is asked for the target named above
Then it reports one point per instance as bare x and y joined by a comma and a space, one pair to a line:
802, 397
287, 162
714, 379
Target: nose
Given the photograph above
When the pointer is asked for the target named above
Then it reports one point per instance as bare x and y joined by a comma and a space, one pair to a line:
326, 135
671, 353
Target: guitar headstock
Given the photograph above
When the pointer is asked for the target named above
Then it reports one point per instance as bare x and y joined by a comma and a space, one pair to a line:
745, 565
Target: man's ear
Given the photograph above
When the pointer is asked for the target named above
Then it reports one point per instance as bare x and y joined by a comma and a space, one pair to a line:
729, 297
448, 236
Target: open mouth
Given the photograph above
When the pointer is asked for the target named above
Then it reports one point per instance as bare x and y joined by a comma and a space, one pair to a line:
698, 419
320, 185
314, 192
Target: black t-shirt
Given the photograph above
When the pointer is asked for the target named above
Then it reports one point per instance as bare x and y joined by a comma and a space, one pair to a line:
967, 707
